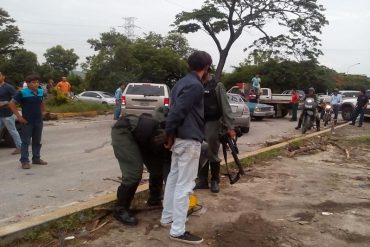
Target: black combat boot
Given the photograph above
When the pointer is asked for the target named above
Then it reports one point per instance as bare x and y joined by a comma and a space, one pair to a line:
155, 190
215, 177
125, 195
202, 182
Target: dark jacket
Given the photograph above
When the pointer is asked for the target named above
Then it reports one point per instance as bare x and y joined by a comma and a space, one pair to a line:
186, 116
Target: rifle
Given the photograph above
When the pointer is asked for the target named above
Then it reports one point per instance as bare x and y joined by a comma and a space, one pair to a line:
228, 142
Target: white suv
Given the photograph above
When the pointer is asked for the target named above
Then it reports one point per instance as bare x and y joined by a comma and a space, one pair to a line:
349, 105
141, 98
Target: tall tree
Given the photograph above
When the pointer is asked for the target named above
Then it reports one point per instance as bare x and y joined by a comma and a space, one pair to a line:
10, 38
61, 60
20, 63
300, 20
144, 59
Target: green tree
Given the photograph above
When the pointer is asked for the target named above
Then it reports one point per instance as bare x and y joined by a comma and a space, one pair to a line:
19, 64
114, 62
10, 38
120, 59
62, 61
300, 20
280, 75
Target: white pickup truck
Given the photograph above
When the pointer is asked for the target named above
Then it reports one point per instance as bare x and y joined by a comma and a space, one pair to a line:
280, 102
348, 107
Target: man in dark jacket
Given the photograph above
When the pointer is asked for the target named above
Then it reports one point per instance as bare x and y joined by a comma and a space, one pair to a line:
362, 102
185, 131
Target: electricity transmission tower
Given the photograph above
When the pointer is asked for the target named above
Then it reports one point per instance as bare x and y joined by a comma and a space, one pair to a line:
129, 27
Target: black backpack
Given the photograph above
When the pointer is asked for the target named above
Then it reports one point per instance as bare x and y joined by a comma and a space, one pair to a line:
145, 130
212, 109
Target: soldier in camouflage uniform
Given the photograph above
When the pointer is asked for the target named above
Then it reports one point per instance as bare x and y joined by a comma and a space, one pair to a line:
137, 141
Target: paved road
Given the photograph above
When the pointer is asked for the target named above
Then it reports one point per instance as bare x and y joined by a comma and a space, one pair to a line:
80, 156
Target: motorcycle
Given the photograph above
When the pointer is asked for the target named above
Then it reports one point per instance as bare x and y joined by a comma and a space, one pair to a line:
328, 111
309, 114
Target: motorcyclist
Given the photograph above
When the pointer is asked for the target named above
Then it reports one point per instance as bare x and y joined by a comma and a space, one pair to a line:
311, 94
137, 141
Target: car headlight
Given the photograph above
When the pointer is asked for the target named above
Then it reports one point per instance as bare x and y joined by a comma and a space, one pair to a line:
328, 106
257, 109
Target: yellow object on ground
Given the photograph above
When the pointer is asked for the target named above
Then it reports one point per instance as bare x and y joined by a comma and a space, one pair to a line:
193, 200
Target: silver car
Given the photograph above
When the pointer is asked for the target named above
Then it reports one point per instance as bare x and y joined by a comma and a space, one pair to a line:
96, 97
240, 112
141, 98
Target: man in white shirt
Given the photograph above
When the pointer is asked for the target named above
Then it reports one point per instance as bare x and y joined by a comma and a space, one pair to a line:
336, 101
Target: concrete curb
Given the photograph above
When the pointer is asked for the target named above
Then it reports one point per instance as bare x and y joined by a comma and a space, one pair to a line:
16, 230
75, 114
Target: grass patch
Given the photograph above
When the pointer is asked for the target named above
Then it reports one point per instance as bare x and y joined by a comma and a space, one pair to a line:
78, 106
361, 140
249, 161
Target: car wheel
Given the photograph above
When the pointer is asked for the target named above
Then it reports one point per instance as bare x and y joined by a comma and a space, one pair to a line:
104, 103
347, 113
244, 129
258, 118
8, 140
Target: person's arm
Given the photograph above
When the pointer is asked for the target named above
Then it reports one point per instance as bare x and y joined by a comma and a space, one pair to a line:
367, 102
223, 103
13, 107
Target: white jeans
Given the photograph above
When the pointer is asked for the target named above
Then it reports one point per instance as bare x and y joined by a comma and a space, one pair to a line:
9, 123
180, 184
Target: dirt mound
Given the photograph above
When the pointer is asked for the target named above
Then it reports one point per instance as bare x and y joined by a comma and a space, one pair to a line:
340, 207
249, 230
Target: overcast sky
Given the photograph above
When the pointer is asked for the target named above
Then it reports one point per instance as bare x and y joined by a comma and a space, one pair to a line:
46, 23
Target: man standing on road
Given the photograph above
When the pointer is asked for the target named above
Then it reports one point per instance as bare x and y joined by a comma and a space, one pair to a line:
31, 100
64, 86
294, 103
7, 118
185, 133
118, 97
217, 115
362, 101
336, 101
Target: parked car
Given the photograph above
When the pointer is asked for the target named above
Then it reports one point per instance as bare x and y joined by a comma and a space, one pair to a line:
280, 102
96, 96
349, 105
259, 111
240, 112
141, 98
349, 93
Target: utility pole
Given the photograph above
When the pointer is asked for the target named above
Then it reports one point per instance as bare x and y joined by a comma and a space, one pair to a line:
129, 27
351, 67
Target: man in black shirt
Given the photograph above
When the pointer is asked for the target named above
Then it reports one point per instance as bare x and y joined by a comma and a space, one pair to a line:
362, 101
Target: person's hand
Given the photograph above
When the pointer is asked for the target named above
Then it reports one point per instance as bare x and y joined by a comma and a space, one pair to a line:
231, 133
170, 141
22, 120
160, 138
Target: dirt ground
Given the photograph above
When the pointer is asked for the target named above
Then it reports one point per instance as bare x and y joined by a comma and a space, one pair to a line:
316, 199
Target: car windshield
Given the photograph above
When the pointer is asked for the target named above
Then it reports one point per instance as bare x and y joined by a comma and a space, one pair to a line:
108, 95
146, 90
